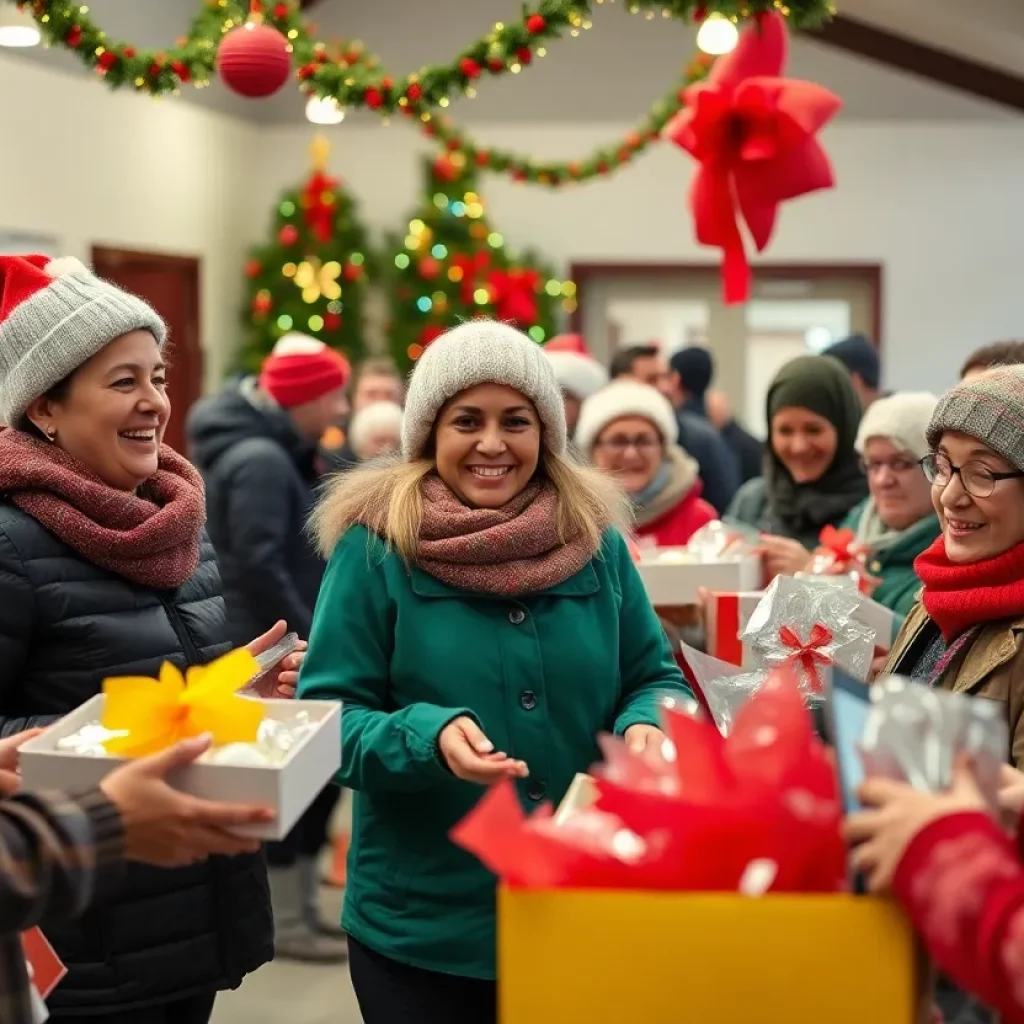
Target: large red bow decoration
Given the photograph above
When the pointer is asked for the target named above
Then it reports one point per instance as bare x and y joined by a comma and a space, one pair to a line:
839, 553
320, 204
514, 294
752, 132
810, 655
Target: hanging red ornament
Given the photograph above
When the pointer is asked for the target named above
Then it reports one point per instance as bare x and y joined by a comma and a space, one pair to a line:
332, 321
106, 60
373, 97
524, 55
288, 235
253, 60
496, 65
535, 23
469, 67
353, 271
74, 37
280, 11
428, 268
253, 268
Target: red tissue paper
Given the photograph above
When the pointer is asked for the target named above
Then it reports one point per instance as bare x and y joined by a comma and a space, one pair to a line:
756, 811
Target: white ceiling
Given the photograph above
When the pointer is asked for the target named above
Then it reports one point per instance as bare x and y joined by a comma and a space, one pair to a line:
614, 71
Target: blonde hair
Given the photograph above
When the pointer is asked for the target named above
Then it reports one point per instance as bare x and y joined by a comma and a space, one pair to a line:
385, 495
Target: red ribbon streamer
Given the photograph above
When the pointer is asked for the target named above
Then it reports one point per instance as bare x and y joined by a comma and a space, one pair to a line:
809, 655
752, 133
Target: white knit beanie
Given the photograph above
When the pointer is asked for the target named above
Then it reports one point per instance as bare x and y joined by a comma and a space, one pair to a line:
577, 374
481, 352
624, 398
901, 418
372, 420
55, 315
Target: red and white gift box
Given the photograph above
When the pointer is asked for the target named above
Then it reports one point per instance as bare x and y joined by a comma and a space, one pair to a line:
673, 576
45, 970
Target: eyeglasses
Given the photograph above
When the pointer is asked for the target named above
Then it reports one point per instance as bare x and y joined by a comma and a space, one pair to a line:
898, 465
978, 481
644, 443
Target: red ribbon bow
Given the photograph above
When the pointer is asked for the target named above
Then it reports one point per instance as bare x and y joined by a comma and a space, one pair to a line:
840, 544
320, 204
472, 267
514, 294
752, 132
809, 656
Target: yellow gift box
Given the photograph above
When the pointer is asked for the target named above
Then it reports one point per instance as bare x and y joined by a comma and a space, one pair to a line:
614, 957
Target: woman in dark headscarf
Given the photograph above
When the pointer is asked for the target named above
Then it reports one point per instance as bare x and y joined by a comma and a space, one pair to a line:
812, 474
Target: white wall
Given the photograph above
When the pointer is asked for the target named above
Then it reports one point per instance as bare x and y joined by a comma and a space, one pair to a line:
88, 166
938, 204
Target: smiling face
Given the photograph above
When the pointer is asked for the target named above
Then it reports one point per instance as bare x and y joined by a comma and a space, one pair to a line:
114, 413
631, 448
901, 493
487, 444
804, 442
978, 528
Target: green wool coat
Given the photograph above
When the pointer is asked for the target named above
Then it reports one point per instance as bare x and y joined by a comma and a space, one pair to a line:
894, 565
541, 674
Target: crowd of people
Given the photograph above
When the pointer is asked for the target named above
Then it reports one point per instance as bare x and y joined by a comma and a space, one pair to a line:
460, 555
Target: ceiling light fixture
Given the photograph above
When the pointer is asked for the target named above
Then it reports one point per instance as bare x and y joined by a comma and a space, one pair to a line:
717, 35
324, 110
17, 28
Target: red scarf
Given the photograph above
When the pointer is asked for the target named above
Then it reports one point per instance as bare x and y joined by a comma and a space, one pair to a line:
151, 537
959, 596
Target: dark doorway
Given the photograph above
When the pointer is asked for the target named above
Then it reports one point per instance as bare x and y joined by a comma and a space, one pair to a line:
170, 284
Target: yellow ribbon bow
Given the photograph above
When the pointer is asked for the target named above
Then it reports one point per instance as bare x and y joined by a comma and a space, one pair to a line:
156, 713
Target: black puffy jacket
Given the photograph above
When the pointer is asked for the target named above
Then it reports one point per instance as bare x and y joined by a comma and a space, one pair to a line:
259, 476
65, 625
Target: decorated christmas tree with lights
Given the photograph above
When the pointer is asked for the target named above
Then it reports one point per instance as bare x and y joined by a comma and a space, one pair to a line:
312, 275
452, 266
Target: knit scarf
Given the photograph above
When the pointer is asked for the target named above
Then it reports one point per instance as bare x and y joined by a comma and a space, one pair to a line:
150, 537
509, 551
675, 478
958, 597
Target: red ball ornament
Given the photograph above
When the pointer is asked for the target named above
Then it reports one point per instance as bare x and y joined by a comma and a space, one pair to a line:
289, 235
332, 321
445, 169
262, 304
524, 56
253, 60
414, 92
253, 268
374, 99
280, 11
106, 60
469, 67
74, 37
428, 267
535, 23
352, 271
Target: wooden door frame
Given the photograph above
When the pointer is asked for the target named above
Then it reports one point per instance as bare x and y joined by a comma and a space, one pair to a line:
585, 273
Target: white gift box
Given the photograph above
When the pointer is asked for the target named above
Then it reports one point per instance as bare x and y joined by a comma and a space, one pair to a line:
289, 788
672, 576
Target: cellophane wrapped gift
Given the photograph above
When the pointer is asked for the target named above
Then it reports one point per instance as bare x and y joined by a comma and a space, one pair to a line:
840, 554
753, 812
722, 688
809, 624
916, 733
716, 541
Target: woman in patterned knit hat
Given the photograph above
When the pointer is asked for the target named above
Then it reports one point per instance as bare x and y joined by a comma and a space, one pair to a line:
106, 570
482, 619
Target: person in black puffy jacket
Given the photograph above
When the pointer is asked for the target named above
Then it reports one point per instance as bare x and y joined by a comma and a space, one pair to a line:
106, 570
256, 444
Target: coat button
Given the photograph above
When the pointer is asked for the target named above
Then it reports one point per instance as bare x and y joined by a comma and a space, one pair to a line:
536, 791
517, 616
528, 700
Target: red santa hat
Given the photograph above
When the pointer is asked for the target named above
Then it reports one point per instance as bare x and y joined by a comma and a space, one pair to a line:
302, 369
568, 343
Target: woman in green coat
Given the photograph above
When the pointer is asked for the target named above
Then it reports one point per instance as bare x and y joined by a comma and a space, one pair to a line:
896, 521
482, 619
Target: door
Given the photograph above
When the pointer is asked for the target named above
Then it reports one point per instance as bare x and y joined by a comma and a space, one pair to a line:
170, 284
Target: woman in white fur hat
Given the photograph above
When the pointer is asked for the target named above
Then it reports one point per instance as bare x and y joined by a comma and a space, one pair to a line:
482, 620
630, 430
375, 430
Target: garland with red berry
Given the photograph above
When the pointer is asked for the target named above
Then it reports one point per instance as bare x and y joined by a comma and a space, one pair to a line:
344, 73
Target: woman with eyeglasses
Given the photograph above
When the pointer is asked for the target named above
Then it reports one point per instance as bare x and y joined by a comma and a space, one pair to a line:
630, 430
896, 522
812, 473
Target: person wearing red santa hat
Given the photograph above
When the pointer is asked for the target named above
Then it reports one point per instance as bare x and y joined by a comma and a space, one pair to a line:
257, 446
579, 375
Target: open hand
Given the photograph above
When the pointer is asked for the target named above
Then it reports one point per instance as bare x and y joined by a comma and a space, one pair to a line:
895, 813
168, 828
471, 756
10, 780
783, 556
285, 674
647, 741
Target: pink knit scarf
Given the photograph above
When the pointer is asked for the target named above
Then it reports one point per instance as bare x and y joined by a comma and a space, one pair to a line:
508, 551
151, 537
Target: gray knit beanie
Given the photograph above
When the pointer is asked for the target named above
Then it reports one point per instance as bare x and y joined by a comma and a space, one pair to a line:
481, 352
54, 316
989, 407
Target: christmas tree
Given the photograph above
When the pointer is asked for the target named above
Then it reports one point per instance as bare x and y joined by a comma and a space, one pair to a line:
452, 265
311, 277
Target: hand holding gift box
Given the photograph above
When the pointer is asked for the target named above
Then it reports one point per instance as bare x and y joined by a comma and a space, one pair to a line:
839, 554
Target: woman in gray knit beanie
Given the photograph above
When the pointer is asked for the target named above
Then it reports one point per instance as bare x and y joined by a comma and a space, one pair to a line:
482, 620
966, 635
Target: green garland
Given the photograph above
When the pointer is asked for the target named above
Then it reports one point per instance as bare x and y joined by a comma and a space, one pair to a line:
352, 78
